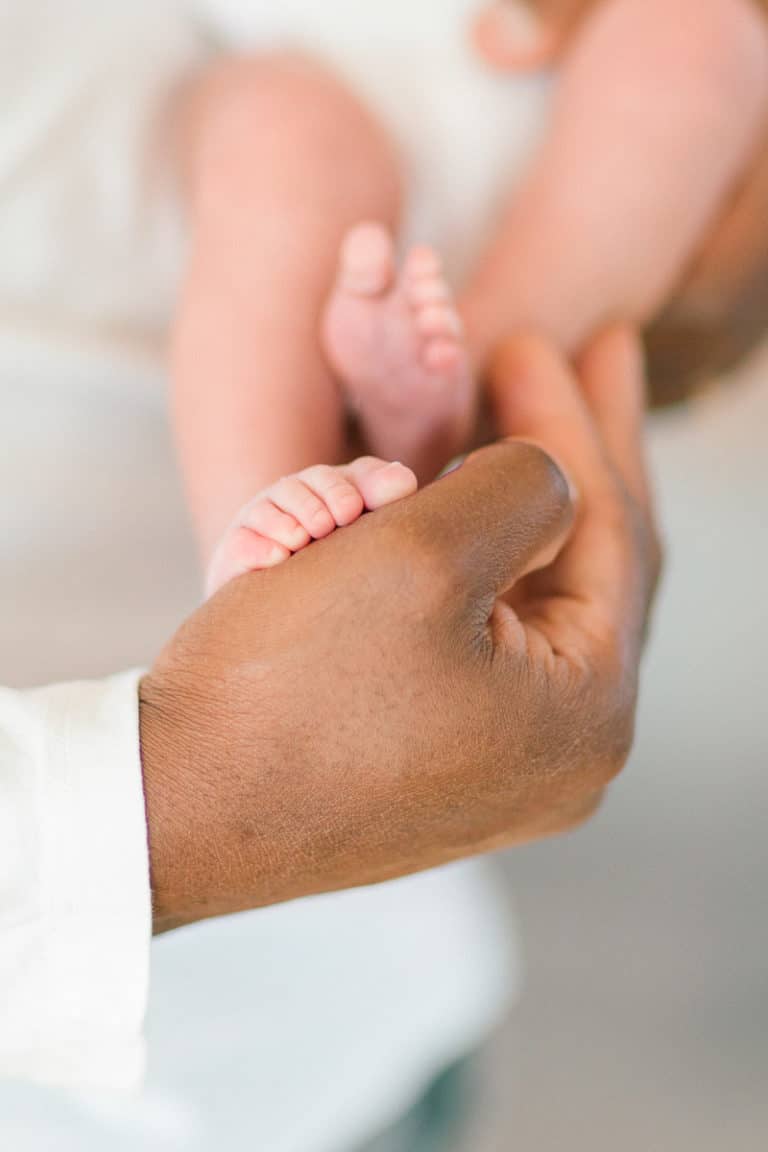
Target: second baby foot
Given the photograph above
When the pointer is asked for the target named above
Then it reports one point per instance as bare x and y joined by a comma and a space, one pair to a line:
396, 343
298, 509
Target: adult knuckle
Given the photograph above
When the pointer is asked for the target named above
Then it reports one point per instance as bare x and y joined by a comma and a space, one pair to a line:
580, 814
615, 747
595, 729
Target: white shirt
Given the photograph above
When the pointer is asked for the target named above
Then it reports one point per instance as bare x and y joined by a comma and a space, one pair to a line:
74, 885
304, 1027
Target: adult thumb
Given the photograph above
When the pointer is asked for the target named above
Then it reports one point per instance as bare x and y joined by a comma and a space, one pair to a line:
507, 510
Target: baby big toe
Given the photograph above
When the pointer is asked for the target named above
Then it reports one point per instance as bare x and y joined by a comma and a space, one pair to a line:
367, 262
379, 482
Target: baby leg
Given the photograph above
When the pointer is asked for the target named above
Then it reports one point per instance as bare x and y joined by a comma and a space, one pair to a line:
288, 515
660, 105
279, 160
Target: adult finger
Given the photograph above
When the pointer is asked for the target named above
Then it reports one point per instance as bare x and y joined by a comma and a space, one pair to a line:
612, 375
534, 395
485, 524
602, 575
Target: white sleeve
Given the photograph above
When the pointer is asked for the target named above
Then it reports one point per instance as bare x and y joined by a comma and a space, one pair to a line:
75, 909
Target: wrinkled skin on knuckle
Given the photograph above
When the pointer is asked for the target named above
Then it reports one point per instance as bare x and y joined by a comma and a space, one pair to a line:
581, 729
560, 819
543, 758
603, 747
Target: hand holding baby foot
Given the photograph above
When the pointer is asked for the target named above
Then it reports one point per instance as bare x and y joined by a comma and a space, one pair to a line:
290, 514
297, 740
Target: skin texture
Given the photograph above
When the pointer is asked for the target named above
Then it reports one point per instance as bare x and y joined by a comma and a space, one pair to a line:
717, 312
299, 509
253, 396
256, 387
402, 694
658, 109
396, 342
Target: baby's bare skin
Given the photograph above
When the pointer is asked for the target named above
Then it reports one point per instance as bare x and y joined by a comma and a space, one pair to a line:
719, 308
659, 110
298, 509
612, 211
396, 343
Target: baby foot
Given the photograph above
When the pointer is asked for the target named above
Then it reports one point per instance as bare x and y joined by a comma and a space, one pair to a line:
396, 343
299, 509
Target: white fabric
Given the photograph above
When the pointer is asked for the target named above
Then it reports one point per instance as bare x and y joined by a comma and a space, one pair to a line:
300, 1028
74, 887
464, 132
88, 95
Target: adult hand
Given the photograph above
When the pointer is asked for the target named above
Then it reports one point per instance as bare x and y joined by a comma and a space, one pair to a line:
402, 694
719, 311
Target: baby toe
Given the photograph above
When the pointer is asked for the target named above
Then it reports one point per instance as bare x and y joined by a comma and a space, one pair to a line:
379, 482
442, 356
264, 517
422, 264
367, 260
293, 496
428, 290
340, 497
439, 320
242, 551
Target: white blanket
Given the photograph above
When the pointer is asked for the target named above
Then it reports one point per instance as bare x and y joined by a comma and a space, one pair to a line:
91, 232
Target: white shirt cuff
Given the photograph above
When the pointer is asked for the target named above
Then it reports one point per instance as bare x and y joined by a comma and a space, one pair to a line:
75, 927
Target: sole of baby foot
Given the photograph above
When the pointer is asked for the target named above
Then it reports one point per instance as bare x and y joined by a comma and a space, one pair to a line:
286, 517
395, 341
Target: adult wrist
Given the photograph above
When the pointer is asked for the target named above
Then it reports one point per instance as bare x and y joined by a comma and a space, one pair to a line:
164, 803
